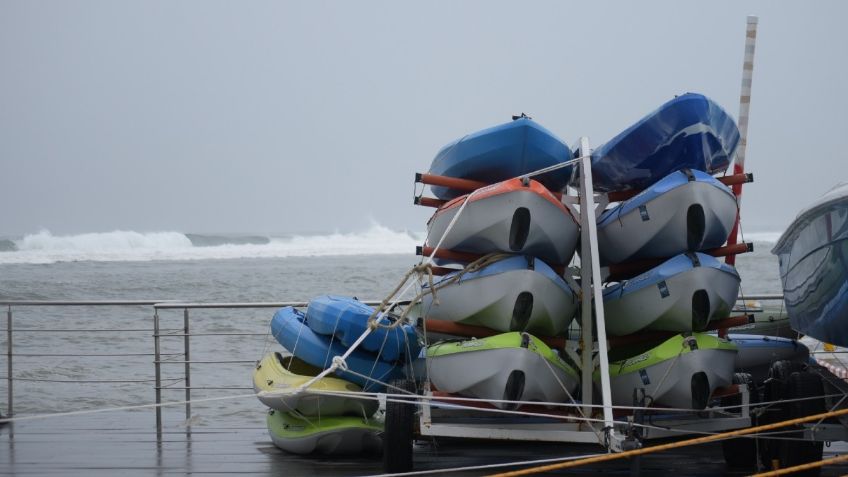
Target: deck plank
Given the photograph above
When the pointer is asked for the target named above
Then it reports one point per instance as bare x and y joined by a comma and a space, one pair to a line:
125, 444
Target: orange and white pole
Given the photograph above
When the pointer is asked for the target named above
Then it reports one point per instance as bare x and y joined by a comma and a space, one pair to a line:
744, 107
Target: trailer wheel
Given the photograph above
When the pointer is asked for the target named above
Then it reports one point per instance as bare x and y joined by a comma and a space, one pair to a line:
774, 389
803, 385
399, 431
741, 453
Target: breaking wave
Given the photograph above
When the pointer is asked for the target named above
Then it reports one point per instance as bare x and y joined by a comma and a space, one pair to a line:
118, 246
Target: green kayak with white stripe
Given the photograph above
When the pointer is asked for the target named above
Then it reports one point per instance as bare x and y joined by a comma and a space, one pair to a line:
506, 367
681, 372
325, 435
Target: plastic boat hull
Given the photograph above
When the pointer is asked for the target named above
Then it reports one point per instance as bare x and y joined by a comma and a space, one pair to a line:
346, 319
276, 374
690, 131
757, 353
503, 152
674, 374
685, 211
508, 217
289, 328
813, 254
325, 436
682, 294
516, 294
510, 367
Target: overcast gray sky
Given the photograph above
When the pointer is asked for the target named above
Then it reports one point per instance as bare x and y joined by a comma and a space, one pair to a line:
282, 117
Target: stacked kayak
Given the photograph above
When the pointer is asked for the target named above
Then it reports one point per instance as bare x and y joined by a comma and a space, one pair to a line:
687, 210
501, 369
523, 232
503, 152
515, 216
682, 294
518, 293
681, 372
689, 132
681, 212
330, 415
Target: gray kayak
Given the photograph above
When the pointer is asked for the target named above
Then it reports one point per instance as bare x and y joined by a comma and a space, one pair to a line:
685, 211
682, 372
515, 294
508, 217
682, 294
757, 353
507, 367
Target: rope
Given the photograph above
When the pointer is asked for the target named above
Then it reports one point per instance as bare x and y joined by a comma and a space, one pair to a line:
487, 466
673, 445
121, 408
798, 468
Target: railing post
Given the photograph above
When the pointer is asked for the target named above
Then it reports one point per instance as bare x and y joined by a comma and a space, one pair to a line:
187, 351
158, 371
9, 406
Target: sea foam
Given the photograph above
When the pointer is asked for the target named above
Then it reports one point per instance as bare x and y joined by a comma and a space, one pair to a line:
44, 247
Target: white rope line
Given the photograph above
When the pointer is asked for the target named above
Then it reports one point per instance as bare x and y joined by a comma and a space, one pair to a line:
121, 408
489, 466
422, 398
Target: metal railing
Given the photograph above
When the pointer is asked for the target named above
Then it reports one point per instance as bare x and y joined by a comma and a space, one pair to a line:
158, 334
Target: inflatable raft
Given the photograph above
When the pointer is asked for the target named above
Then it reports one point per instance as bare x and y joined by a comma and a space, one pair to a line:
276, 374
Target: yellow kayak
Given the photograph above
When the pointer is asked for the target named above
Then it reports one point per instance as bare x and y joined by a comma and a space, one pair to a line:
276, 374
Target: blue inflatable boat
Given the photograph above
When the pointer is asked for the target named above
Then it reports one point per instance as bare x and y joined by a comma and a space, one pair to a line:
347, 318
503, 152
289, 328
690, 131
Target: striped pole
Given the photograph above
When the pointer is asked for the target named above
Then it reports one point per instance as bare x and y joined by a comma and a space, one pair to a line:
744, 107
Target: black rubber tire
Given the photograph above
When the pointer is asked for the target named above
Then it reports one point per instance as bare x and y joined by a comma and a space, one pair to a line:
399, 431
800, 385
774, 389
741, 453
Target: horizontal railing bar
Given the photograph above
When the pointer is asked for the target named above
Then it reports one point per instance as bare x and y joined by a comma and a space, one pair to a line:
98, 355
83, 303
84, 330
240, 361
89, 381
764, 296
183, 388
211, 334
172, 305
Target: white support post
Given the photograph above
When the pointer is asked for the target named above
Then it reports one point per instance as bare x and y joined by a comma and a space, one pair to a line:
591, 288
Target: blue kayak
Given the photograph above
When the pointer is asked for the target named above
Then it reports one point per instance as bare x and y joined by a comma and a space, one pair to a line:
690, 131
289, 328
685, 211
503, 152
758, 352
347, 318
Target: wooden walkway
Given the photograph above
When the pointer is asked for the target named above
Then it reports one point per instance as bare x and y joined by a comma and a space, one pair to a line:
125, 444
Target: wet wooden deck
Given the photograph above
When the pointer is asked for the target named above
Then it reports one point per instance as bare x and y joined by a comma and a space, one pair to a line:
125, 444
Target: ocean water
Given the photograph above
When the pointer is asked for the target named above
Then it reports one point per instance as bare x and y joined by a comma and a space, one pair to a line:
69, 358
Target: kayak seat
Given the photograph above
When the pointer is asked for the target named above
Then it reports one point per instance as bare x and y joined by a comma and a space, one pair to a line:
519, 229
700, 310
695, 227
522, 311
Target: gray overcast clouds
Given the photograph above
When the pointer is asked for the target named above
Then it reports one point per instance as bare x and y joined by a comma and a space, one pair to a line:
278, 117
